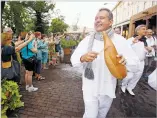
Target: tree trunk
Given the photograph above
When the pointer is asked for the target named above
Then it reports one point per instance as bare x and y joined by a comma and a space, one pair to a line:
2, 6
39, 23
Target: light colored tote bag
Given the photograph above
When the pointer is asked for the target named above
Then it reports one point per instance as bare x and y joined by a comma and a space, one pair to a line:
152, 81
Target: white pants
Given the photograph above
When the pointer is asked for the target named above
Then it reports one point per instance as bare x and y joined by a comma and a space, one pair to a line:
96, 107
132, 78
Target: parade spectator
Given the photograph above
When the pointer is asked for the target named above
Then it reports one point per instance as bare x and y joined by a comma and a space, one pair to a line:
44, 50
38, 64
57, 39
67, 37
99, 91
28, 54
8, 54
52, 52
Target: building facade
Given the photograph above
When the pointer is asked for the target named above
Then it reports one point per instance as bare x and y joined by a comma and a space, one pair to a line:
124, 11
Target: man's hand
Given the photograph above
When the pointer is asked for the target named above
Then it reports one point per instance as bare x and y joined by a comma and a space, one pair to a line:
155, 47
89, 57
122, 60
136, 39
149, 49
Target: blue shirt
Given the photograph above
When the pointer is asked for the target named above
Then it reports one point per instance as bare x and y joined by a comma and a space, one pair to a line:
26, 51
44, 46
39, 53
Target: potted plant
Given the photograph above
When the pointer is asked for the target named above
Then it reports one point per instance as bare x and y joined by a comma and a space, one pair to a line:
10, 97
67, 44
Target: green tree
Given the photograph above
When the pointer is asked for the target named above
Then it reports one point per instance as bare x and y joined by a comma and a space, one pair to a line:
58, 25
40, 10
15, 16
27, 15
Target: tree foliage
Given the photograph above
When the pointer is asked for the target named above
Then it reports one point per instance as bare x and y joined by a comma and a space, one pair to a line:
2, 6
40, 10
27, 15
58, 25
15, 16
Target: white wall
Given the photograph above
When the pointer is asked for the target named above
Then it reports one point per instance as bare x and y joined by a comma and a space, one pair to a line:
127, 9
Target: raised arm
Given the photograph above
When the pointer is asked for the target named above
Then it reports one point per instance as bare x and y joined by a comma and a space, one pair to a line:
18, 48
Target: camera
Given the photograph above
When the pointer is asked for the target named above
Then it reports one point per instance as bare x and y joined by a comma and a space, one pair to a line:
29, 33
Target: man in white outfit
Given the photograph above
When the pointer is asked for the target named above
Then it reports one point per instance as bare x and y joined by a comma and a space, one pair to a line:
98, 84
140, 47
151, 41
117, 30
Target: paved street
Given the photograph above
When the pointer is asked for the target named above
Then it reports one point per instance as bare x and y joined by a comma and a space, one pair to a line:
60, 96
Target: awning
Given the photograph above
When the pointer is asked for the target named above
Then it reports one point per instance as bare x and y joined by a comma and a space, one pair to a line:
146, 14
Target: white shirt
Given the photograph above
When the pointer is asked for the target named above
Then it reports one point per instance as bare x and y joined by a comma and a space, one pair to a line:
138, 48
57, 40
104, 83
151, 42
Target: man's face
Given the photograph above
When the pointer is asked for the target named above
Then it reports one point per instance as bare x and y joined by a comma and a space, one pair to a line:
142, 31
117, 31
149, 33
102, 22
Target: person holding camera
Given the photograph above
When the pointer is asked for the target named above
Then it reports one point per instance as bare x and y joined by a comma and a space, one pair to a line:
8, 55
29, 59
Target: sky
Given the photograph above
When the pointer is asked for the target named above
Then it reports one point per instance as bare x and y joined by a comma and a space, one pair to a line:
84, 11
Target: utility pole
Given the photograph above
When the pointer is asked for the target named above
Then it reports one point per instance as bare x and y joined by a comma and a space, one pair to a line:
77, 20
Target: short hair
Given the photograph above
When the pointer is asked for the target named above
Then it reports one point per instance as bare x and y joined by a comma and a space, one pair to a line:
117, 28
138, 27
7, 29
37, 34
109, 12
23, 34
150, 30
5, 36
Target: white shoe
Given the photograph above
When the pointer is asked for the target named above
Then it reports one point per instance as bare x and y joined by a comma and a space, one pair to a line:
27, 86
131, 92
32, 89
123, 88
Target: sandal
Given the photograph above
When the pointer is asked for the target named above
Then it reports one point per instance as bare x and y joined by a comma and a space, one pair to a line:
41, 78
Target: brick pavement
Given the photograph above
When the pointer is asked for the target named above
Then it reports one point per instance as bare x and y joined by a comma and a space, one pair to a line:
60, 96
